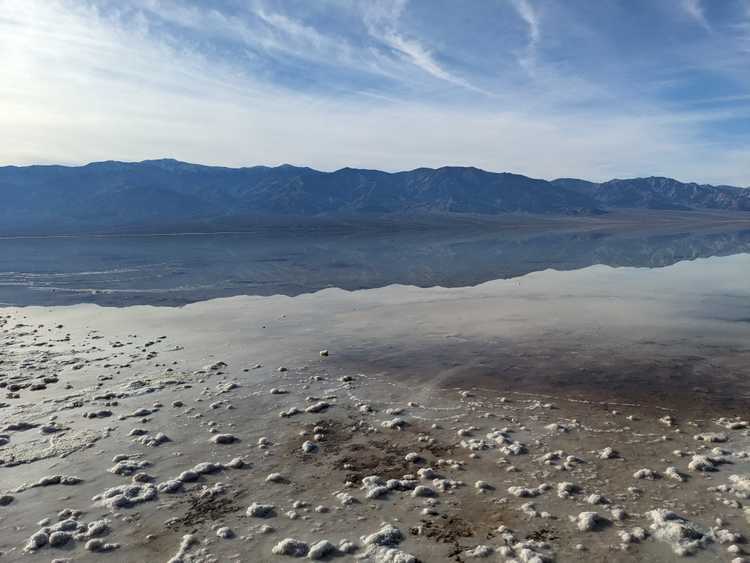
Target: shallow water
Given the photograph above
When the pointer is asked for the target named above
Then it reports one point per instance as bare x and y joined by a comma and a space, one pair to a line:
662, 315
604, 350
675, 335
176, 270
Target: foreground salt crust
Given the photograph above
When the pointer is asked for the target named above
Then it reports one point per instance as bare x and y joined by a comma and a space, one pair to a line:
447, 468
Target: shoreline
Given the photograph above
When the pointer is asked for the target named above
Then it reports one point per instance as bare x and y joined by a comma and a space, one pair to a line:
627, 220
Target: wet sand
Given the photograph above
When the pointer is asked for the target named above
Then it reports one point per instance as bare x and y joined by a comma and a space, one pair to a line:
534, 419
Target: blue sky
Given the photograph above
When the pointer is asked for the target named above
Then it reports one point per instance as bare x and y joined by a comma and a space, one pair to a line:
549, 88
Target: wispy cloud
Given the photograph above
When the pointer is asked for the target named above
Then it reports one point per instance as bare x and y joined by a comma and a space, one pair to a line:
528, 14
84, 81
694, 9
418, 55
382, 23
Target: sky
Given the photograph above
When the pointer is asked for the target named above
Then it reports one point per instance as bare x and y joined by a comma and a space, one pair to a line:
593, 89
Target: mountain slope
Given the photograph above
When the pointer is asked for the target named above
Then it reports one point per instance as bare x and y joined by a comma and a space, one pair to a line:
119, 194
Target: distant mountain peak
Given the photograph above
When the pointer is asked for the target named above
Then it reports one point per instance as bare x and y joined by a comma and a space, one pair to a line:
113, 193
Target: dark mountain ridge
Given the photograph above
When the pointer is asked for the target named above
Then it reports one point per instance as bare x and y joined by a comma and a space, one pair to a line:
103, 195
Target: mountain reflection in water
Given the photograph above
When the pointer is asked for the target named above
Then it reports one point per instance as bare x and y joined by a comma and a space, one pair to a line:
180, 269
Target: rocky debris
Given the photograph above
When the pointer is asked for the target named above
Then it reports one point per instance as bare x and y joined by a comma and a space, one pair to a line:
426, 473
646, 473
476, 444
207, 467
589, 521
170, 486
154, 440
261, 510
235, 463
50, 428
724, 536
423, 491
380, 554
98, 545
187, 542
559, 460
705, 463
291, 547
127, 496
264, 443
566, 489
60, 538
527, 551
740, 486
711, 437
225, 533
142, 478
381, 546
394, 424
345, 498
668, 420
128, 467
684, 537
213, 491
224, 439
50, 480
37, 540
275, 478
387, 535
444, 485
618, 514
377, 492
596, 499
19, 426
672, 473
321, 550
69, 529
309, 447
514, 448
138, 413
320, 406
733, 423
635, 535
480, 551
224, 388
104, 413
525, 492
188, 476
427, 502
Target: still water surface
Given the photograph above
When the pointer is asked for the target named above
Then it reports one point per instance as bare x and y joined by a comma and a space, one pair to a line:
176, 270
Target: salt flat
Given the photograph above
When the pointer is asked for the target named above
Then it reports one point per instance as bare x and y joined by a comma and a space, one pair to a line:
548, 417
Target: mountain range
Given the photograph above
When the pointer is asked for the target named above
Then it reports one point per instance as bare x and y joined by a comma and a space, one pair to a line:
120, 195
